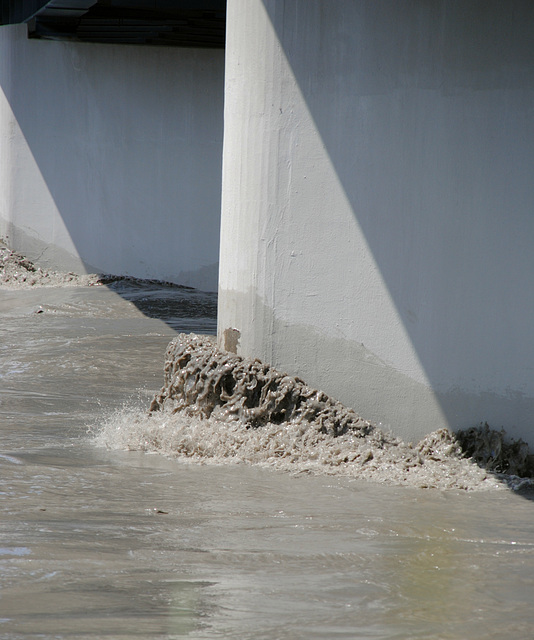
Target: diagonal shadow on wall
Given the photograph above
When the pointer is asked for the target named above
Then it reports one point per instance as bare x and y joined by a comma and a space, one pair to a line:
424, 110
112, 156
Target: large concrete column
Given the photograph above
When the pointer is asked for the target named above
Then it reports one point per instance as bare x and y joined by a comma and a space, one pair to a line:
377, 230
110, 156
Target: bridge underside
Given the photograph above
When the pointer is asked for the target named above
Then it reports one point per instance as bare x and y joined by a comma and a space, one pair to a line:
179, 23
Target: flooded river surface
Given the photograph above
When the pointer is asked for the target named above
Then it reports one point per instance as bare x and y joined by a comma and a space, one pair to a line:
103, 543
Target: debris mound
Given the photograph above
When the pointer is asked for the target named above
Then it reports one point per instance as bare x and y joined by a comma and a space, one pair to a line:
17, 272
200, 378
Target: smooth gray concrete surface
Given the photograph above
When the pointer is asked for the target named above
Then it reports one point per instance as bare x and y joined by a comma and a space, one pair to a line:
110, 157
377, 222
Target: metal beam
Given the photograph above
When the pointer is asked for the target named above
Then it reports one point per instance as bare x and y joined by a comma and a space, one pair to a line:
17, 11
185, 23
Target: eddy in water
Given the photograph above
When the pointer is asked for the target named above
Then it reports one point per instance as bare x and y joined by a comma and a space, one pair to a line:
221, 408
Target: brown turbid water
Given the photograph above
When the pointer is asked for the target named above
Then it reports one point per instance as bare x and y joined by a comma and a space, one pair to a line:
216, 519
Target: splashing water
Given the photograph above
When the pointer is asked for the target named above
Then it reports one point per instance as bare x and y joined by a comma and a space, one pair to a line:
219, 408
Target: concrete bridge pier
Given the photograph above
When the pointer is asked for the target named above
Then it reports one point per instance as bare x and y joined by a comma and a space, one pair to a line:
377, 228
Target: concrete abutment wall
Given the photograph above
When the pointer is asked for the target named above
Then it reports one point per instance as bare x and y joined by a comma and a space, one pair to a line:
110, 157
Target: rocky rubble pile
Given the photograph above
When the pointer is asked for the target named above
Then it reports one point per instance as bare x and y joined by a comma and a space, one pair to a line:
17, 272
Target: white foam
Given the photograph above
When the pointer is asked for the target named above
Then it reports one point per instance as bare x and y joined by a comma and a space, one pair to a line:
218, 408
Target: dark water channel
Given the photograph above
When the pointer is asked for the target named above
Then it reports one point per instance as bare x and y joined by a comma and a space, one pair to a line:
112, 544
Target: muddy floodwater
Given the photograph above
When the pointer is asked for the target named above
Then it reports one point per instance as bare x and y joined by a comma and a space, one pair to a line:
101, 542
